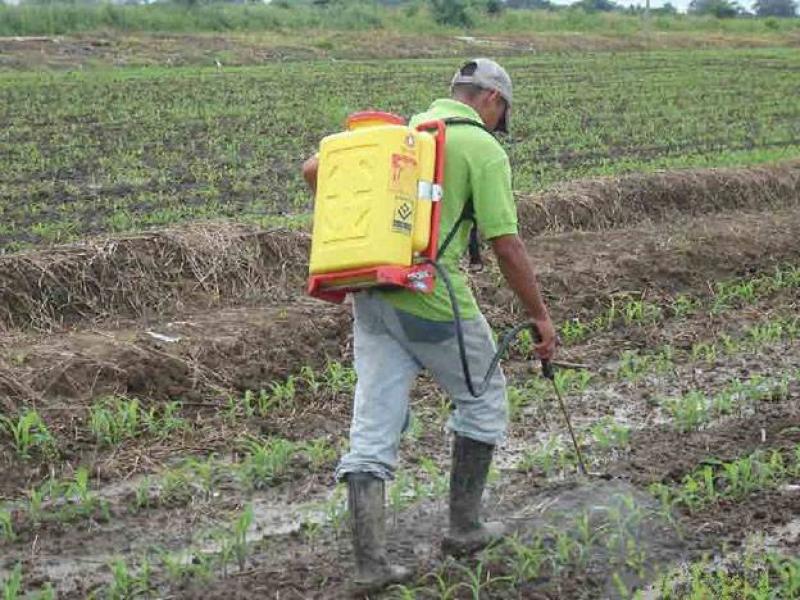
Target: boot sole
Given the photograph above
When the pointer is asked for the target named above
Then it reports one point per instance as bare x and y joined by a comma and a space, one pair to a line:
459, 548
359, 589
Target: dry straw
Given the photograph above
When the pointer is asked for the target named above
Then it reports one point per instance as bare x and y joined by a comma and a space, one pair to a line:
148, 274
615, 202
214, 264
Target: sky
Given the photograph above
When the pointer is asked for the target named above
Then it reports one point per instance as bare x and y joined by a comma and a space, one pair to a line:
681, 5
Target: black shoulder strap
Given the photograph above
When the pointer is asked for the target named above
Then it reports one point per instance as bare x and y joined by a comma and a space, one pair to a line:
465, 121
468, 214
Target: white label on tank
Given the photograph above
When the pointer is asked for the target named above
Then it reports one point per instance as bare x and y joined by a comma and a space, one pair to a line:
425, 190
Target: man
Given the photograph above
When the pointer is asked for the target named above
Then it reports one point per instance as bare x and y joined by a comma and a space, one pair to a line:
399, 332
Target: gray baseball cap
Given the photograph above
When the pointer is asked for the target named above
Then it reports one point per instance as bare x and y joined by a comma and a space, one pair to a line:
487, 74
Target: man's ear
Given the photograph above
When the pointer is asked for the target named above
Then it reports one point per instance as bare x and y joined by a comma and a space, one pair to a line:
486, 97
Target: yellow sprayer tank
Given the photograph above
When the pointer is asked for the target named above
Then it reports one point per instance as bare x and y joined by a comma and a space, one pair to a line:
374, 195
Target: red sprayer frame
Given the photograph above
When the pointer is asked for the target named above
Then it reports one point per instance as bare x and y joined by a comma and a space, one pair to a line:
419, 277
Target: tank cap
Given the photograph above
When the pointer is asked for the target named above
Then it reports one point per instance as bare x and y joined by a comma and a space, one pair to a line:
371, 118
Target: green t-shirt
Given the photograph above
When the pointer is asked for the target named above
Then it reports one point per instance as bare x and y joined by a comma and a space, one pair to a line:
476, 166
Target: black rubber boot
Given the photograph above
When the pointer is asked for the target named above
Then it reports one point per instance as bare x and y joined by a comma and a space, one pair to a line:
366, 504
467, 534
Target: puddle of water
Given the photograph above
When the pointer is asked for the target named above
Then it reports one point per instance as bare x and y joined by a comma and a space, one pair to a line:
785, 536
271, 518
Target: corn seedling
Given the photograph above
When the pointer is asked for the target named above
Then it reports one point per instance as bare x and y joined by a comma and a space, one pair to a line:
525, 560
574, 331
312, 382
265, 463
633, 365
29, 434
443, 409
114, 419
166, 422
517, 400
608, 435
415, 427
683, 305
750, 577
403, 592
794, 469
635, 312
664, 360
233, 544
766, 333
622, 589
35, 499
186, 566
438, 480
723, 403
339, 379
282, 395
563, 550
401, 493
730, 346
689, 411
202, 473
704, 351
611, 314
444, 588
12, 587
732, 480
733, 293
175, 488
777, 470
479, 580
335, 509
6, 526
311, 531
572, 381
786, 277
79, 488
248, 404
544, 458
85, 501
525, 343
124, 584
319, 453
48, 593
142, 498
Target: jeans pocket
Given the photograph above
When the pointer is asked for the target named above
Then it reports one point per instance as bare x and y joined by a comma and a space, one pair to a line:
419, 330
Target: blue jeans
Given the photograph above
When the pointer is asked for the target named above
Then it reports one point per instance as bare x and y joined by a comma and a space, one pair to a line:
391, 347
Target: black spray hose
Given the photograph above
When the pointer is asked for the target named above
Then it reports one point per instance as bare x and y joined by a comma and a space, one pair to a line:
547, 368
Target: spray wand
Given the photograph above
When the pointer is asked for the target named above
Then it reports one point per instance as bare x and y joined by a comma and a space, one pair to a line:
549, 373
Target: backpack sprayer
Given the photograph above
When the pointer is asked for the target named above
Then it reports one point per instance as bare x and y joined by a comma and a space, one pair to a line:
377, 215
376, 220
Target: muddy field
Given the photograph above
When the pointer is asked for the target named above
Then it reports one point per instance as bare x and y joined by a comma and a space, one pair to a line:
118, 49
171, 422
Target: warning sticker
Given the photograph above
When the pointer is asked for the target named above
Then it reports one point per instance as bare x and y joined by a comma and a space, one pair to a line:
403, 182
403, 177
403, 217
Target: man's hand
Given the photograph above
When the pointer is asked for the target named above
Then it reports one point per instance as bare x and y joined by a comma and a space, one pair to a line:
310, 168
521, 277
545, 347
